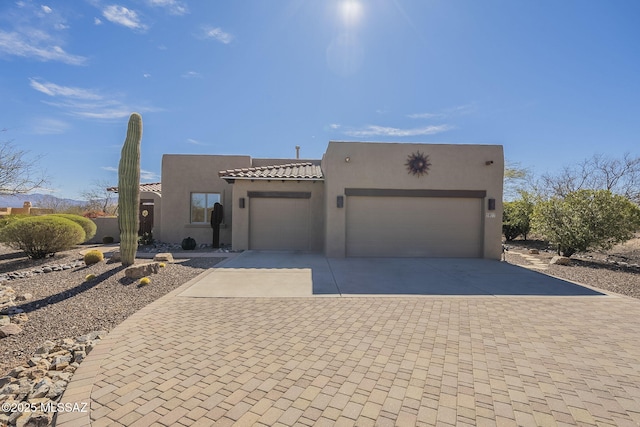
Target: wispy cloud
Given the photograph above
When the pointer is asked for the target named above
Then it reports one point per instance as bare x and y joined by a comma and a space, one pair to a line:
334, 126
459, 110
148, 175
86, 103
174, 7
122, 16
216, 33
426, 116
191, 75
36, 44
48, 126
53, 89
144, 174
373, 130
195, 142
97, 21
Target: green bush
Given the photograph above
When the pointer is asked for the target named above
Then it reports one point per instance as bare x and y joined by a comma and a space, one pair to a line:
93, 257
8, 219
107, 240
40, 236
87, 225
516, 216
586, 220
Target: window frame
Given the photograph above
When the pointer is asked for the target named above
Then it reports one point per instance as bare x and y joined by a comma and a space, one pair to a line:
207, 208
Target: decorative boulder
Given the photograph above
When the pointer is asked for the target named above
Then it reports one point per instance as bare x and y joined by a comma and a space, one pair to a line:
163, 257
141, 270
560, 260
10, 329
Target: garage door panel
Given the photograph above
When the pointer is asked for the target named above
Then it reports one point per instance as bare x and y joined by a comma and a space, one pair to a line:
414, 226
278, 224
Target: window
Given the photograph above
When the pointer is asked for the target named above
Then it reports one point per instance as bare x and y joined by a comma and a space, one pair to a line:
202, 206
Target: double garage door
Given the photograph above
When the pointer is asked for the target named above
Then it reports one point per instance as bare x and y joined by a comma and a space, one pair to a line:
414, 227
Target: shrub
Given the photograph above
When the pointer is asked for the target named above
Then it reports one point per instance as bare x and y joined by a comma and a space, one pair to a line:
87, 225
189, 244
145, 281
93, 257
516, 216
586, 220
107, 240
41, 236
9, 219
89, 277
146, 239
162, 265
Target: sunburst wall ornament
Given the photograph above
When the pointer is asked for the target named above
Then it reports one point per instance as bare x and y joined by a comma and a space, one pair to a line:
418, 163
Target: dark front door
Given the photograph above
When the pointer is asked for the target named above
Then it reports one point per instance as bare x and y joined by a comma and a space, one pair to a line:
146, 216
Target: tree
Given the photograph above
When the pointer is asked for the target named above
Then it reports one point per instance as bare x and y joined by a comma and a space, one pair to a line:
18, 174
586, 220
99, 199
620, 176
516, 216
516, 179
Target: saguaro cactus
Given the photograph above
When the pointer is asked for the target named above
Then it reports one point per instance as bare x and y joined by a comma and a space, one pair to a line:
129, 190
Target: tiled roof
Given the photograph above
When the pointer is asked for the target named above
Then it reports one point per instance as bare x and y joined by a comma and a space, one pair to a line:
154, 187
290, 171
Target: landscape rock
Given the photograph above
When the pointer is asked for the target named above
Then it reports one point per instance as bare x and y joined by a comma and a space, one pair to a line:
534, 251
24, 297
163, 257
560, 260
142, 270
45, 380
10, 329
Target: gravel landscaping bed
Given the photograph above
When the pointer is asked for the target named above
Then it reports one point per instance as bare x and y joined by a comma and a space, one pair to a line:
64, 305
612, 271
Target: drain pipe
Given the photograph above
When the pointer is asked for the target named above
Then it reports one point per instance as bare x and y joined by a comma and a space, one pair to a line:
297, 151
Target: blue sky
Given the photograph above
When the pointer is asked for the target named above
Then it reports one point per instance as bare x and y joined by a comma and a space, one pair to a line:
553, 81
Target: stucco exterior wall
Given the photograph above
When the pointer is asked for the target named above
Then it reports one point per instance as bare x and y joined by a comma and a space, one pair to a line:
241, 216
186, 174
106, 226
382, 166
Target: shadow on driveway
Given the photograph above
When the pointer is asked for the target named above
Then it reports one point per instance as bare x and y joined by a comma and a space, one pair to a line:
412, 276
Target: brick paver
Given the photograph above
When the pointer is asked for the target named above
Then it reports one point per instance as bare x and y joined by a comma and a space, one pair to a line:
367, 361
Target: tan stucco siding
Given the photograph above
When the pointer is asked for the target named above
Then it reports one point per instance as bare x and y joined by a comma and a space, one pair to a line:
382, 166
241, 217
186, 174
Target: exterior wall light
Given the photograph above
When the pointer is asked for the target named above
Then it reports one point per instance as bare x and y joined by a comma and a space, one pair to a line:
347, 159
241, 202
340, 201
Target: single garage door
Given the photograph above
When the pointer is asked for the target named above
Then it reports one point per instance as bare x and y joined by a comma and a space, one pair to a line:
279, 224
414, 227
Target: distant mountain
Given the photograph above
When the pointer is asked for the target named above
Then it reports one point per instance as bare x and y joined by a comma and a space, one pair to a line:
37, 200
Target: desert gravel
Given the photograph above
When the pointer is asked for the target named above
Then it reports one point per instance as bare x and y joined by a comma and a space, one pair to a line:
597, 273
65, 306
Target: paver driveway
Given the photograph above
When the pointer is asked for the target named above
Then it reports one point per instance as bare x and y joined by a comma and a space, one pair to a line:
464, 360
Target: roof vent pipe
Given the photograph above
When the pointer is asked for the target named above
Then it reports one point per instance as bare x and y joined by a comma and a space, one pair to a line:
297, 151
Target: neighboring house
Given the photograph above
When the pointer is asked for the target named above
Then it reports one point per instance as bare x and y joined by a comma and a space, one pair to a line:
26, 209
361, 199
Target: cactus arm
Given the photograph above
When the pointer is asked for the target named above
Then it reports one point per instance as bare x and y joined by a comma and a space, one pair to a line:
129, 190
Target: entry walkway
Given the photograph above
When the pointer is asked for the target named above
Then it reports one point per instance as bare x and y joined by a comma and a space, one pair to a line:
406, 360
